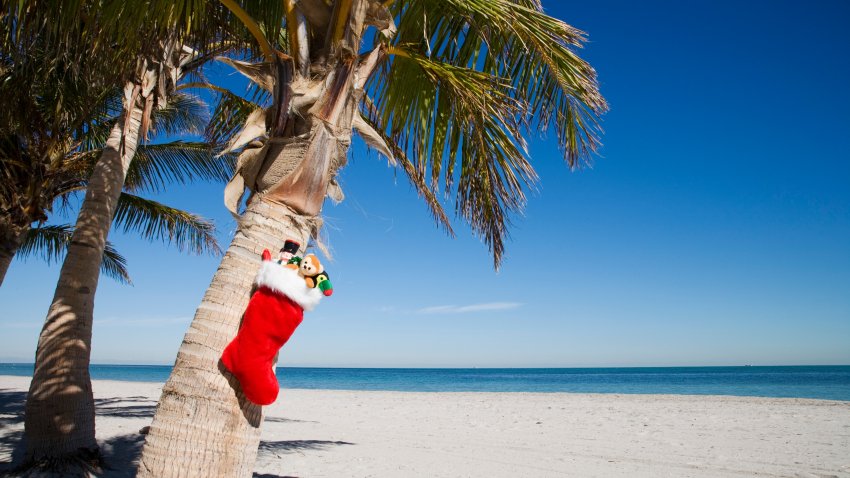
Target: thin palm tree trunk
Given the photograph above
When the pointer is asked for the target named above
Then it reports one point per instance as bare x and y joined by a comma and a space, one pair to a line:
10, 247
203, 424
59, 420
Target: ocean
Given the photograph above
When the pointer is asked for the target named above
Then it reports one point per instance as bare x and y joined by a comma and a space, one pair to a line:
824, 382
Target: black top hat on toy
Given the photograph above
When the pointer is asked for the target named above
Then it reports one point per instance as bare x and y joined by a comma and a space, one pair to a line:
290, 246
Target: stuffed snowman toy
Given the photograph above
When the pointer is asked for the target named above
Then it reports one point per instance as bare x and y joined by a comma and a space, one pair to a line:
275, 310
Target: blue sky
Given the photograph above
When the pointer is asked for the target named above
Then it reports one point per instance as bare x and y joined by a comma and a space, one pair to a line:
712, 230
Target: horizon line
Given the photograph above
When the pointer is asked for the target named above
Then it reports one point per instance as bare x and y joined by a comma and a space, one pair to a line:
478, 367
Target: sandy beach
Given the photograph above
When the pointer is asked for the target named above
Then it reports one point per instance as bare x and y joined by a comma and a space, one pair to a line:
331, 433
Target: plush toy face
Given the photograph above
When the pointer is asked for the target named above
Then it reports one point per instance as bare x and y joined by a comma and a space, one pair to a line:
310, 266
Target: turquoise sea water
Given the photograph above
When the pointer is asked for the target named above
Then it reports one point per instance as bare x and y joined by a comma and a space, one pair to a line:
826, 382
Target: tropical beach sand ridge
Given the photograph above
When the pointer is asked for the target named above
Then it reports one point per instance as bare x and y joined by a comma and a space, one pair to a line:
332, 433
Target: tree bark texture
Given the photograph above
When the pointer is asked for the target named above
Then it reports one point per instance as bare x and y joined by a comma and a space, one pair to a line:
59, 418
12, 236
203, 424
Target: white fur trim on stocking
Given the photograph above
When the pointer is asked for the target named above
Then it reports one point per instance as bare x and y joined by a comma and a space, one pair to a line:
287, 281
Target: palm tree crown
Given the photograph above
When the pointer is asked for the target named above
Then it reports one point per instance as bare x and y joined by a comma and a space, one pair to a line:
454, 88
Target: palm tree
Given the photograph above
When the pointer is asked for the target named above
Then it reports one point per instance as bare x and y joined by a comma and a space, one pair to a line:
60, 407
154, 166
446, 89
83, 50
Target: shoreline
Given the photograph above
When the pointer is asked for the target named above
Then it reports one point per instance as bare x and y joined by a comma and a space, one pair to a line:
338, 433
587, 394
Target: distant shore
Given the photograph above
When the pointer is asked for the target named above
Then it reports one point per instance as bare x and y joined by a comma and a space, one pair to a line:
334, 433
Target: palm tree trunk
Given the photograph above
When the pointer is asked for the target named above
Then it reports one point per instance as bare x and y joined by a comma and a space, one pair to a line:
203, 424
59, 422
13, 236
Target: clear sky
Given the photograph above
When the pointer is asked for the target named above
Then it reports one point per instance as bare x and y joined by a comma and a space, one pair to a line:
713, 230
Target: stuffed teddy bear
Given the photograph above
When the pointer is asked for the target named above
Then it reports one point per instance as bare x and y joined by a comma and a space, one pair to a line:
315, 275
313, 272
274, 312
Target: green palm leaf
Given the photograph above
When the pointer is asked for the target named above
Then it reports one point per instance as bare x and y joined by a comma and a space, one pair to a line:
156, 221
182, 114
50, 243
114, 265
157, 165
416, 178
94, 135
515, 40
465, 83
466, 119
230, 113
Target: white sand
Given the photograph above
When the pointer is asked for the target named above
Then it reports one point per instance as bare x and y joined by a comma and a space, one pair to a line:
327, 433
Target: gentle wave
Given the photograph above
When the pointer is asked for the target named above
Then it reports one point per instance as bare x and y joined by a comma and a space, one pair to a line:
823, 382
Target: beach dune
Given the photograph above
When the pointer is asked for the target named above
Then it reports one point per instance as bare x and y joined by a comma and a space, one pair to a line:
330, 433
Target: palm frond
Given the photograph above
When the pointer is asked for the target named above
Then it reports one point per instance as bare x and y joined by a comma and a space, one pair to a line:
156, 221
230, 113
114, 265
183, 113
157, 165
94, 134
50, 243
418, 180
440, 113
466, 81
515, 40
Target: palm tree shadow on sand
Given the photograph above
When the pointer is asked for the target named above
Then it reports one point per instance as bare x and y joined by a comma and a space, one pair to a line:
11, 415
121, 453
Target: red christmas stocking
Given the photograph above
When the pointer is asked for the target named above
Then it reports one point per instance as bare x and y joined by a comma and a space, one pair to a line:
275, 310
